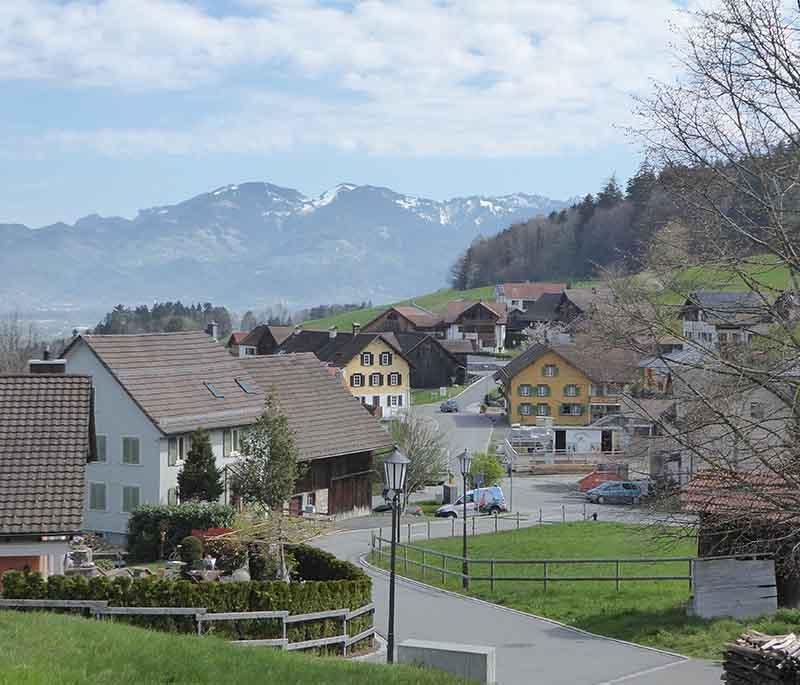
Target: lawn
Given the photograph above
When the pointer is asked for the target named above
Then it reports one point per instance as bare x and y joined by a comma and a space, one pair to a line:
431, 396
50, 648
650, 613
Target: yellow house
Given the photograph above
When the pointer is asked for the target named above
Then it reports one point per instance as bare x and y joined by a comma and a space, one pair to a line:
372, 365
378, 373
573, 386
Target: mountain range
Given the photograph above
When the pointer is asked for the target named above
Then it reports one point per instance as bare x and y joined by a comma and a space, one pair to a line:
253, 244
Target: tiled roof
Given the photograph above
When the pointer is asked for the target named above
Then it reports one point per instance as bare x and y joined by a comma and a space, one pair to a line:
410, 341
337, 350
45, 438
279, 334
586, 298
166, 373
611, 365
740, 494
457, 308
326, 419
531, 291
419, 317
458, 346
721, 306
237, 337
544, 309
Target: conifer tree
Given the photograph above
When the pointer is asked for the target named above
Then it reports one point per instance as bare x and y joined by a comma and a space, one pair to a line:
200, 479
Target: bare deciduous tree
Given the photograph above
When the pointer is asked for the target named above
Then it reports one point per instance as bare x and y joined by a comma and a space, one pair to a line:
19, 342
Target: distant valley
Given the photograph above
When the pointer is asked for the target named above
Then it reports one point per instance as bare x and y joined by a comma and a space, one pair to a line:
251, 245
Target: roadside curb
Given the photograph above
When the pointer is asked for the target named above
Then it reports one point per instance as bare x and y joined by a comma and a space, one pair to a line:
363, 562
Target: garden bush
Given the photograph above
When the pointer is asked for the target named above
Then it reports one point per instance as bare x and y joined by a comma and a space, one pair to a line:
191, 549
177, 521
346, 587
230, 554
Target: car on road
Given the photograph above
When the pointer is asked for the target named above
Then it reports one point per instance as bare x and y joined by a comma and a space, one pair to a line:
479, 501
615, 492
448, 406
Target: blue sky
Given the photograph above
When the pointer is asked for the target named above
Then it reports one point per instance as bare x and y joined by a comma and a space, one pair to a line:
113, 105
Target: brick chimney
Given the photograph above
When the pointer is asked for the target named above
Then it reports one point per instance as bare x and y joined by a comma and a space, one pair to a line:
212, 329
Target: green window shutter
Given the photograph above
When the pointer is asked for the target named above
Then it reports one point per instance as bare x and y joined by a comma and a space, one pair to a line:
172, 496
172, 451
97, 496
100, 448
130, 498
130, 450
226, 443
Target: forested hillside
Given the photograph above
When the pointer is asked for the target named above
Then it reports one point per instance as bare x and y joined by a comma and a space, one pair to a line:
614, 226
164, 317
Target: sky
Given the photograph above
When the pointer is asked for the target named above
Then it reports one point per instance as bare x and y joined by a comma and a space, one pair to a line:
109, 106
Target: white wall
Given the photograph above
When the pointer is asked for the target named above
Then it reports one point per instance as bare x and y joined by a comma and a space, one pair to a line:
117, 416
51, 554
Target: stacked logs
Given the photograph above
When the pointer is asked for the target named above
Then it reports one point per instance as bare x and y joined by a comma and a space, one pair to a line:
758, 658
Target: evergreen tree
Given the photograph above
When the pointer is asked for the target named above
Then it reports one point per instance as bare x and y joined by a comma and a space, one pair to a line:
200, 478
610, 195
641, 185
249, 321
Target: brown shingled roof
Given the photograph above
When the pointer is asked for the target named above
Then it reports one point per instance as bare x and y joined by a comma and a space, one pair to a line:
166, 373
530, 291
456, 308
326, 419
46, 434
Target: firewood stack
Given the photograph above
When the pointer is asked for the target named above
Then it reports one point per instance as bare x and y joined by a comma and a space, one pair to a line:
756, 658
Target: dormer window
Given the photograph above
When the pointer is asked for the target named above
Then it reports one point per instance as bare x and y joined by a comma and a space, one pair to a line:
367, 359
246, 386
214, 391
550, 370
386, 358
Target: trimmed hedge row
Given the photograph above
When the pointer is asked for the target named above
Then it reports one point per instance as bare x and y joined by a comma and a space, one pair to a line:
351, 592
177, 521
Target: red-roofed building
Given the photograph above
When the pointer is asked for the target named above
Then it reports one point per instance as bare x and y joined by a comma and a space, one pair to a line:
520, 295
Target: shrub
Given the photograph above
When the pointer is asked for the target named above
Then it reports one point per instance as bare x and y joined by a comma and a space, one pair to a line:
176, 521
264, 565
230, 554
191, 549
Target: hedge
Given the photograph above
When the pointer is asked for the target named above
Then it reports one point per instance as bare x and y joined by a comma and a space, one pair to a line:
351, 592
177, 520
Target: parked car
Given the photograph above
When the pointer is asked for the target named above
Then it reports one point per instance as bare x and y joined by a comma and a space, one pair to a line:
479, 501
615, 492
448, 406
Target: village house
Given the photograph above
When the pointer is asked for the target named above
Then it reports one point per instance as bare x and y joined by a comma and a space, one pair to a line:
151, 392
578, 305
433, 364
409, 318
720, 318
334, 435
265, 339
46, 438
572, 389
372, 366
523, 296
234, 344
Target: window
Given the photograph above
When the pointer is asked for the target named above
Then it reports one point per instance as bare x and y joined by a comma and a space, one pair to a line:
395, 400
598, 390
572, 390
525, 390
543, 390
550, 370
386, 358
177, 449
542, 410
130, 498
130, 451
246, 386
214, 391
376, 379
357, 380
756, 410
367, 359
232, 441
571, 409
97, 496
172, 496
100, 449
395, 378
526, 409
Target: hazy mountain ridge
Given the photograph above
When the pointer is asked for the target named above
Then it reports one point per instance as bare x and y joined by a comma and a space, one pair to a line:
254, 243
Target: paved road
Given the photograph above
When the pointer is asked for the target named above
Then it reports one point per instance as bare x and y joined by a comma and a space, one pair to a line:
529, 649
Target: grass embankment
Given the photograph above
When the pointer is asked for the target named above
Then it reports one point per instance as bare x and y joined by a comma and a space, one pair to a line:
49, 648
432, 396
645, 612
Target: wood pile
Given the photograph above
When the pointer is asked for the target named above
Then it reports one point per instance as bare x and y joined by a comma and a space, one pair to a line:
758, 658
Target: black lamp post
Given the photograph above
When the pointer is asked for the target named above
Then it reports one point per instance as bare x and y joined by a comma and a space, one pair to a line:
464, 462
395, 471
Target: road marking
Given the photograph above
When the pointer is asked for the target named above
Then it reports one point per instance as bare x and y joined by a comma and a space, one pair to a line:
638, 674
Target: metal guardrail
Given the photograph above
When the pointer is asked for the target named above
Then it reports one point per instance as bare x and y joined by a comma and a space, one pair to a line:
100, 610
546, 565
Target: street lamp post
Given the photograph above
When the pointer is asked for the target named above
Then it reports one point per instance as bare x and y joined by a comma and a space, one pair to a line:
464, 462
395, 472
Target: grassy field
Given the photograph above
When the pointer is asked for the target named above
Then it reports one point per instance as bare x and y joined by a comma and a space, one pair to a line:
423, 396
49, 648
649, 613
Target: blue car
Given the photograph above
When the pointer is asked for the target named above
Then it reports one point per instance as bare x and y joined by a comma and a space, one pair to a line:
615, 492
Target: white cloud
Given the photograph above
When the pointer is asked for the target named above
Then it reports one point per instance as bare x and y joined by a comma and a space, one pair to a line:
475, 77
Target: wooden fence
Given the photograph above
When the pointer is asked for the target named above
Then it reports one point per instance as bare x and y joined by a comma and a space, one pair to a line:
490, 570
201, 617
